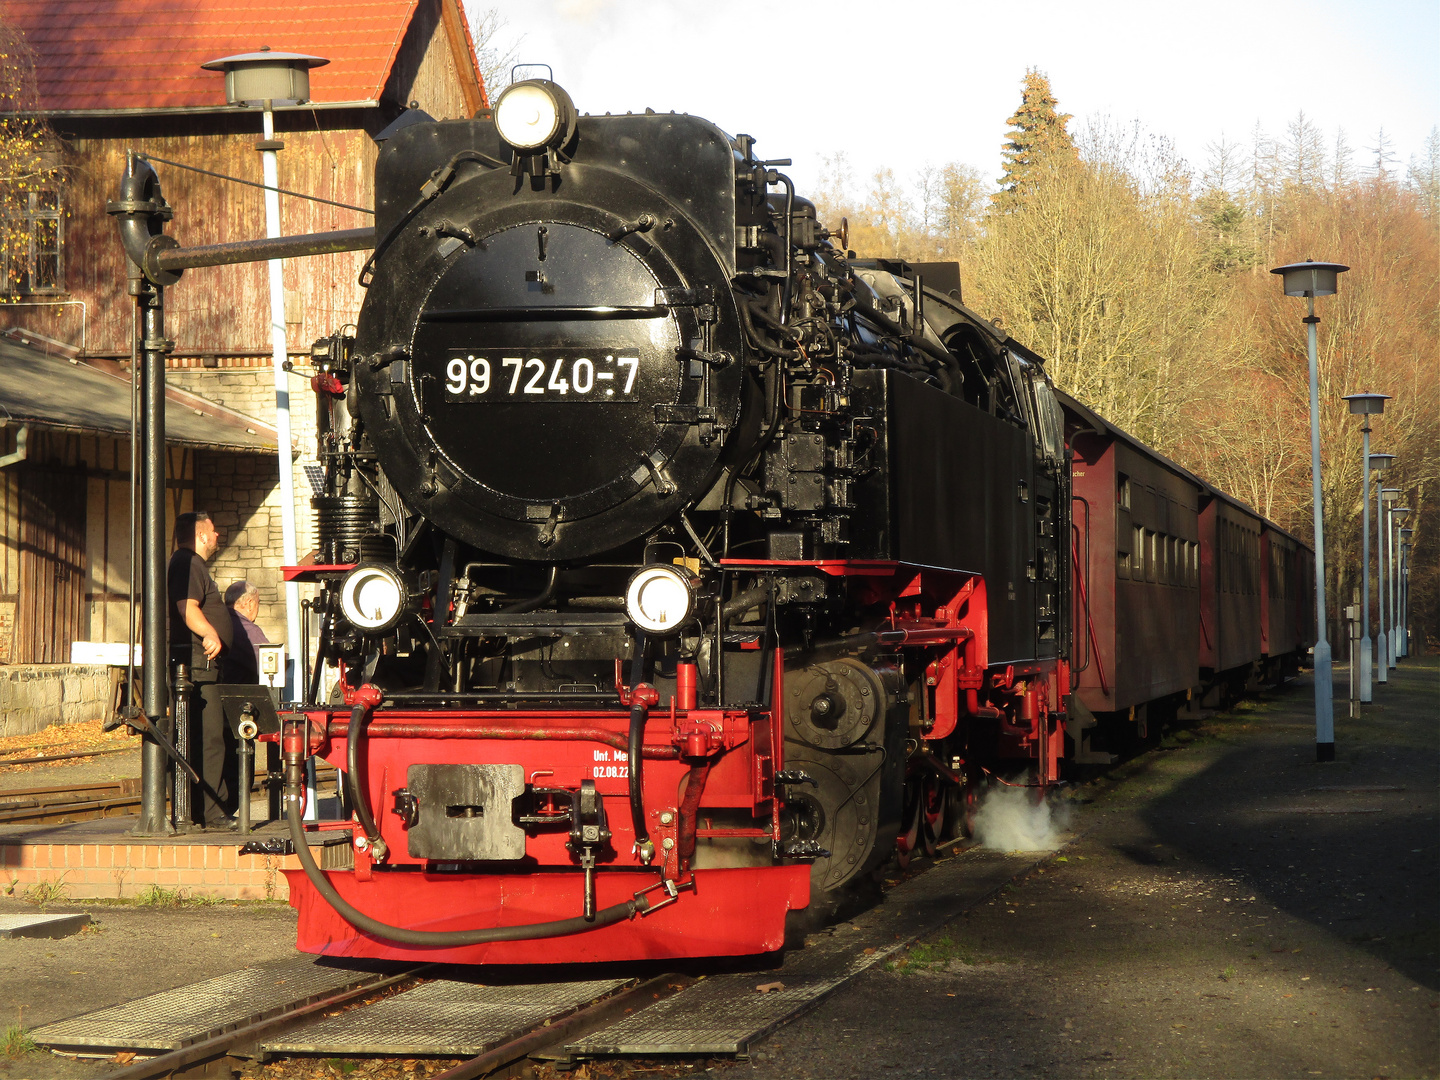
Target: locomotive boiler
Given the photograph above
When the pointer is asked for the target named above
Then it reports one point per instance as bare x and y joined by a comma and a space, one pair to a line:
677, 568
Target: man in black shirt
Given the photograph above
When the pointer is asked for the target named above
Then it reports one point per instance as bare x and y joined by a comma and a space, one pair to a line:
200, 634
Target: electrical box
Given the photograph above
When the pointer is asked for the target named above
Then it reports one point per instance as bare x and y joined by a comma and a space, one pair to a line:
272, 665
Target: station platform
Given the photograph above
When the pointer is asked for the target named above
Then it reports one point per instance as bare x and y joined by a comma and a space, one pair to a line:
102, 859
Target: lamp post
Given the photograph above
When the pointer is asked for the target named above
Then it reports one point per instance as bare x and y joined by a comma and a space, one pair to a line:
1366, 405
1379, 463
1311, 279
1383, 498
1397, 515
1405, 535
265, 80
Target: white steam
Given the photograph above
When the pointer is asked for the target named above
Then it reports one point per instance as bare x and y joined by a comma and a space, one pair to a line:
1010, 819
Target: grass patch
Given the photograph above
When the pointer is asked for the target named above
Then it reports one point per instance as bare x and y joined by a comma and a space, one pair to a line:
48, 892
17, 1042
159, 896
341, 1066
1227, 974
940, 953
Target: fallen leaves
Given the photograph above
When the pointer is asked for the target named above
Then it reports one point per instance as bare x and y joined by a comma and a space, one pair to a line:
765, 988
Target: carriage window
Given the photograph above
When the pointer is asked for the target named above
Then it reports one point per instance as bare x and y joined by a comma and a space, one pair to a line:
1150, 553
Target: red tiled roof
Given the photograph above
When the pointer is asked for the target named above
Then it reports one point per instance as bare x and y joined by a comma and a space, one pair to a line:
102, 55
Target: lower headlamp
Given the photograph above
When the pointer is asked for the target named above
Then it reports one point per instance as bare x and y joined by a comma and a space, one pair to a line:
372, 598
659, 599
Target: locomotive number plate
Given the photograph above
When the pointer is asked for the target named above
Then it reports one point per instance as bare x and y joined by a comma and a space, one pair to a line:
541, 375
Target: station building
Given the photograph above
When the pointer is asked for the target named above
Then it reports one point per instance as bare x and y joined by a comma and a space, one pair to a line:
113, 77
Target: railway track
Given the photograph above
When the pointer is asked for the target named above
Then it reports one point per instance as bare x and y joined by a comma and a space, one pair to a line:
548, 1033
56, 804
59, 804
706, 1009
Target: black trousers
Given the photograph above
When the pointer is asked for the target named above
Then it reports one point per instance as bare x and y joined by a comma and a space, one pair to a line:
213, 744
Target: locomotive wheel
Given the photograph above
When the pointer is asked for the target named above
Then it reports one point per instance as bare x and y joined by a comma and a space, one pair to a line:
935, 800
836, 814
912, 831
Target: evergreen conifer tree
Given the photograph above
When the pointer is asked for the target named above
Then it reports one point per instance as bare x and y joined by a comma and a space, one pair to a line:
1037, 140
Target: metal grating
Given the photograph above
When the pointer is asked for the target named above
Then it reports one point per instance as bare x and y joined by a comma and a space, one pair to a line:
452, 1019
41, 926
188, 1014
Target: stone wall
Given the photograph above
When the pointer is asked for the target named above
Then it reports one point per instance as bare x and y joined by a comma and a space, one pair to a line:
34, 696
242, 491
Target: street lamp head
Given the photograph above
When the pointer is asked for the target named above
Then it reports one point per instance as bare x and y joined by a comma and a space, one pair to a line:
277, 78
1310, 278
1398, 512
1381, 461
1389, 494
1367, 403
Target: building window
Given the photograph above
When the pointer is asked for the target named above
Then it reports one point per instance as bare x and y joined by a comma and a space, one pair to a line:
31, 257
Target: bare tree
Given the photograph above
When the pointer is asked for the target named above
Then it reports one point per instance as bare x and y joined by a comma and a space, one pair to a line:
496, 50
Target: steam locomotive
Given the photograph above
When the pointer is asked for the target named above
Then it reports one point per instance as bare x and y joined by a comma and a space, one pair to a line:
678, 569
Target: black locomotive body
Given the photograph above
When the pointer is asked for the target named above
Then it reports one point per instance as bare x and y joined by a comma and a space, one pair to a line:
678, 569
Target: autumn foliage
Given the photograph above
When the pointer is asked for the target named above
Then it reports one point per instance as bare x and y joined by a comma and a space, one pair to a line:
1147, 287
29, 152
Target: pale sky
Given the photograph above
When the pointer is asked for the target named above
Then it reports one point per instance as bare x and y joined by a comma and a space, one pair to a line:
906, 84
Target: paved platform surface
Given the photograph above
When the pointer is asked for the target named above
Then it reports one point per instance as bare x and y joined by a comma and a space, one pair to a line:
1193, 931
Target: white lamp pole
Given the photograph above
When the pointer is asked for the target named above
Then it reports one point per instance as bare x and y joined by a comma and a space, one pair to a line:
1311, 279
1405, 535
266, 79
1379, 463
1397, 515
1383, 498
1365, 405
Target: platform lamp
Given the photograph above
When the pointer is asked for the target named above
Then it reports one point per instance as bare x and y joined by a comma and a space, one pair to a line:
1383, 498
1397, 515
1311, 279
1405, 535
267, 80
1365, 405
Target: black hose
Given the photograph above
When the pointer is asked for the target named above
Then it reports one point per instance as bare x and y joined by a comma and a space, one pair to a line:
355, 785
789, 245
439, 939
535, 601
750, 598
635, 747
754, 338
639, 714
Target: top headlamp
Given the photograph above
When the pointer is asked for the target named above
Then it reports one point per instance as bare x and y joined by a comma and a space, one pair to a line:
534, 115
